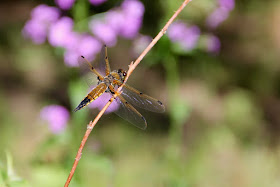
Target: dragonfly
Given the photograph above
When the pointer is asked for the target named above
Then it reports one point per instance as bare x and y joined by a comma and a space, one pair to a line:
108, 82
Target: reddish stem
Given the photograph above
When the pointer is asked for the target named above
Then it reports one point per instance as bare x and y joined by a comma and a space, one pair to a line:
132, 66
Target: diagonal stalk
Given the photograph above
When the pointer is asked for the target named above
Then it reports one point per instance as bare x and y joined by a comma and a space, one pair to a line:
132, 66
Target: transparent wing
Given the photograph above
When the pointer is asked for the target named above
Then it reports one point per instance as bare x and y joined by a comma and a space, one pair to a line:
122, 108
88, 71
141, 100
129, 113
101, 101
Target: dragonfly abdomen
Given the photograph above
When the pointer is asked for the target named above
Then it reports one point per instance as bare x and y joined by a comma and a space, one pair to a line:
94, 94
84, 103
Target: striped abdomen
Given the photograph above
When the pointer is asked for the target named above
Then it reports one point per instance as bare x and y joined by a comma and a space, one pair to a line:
94, 94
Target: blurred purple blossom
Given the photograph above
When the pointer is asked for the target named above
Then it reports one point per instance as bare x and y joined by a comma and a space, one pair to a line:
85, 45
140, 43
44, 13
116, 19
186, 36
57, 117
227, 4
133, 8
65, 4
60, 32
35, 30
75, 44
89, 46
189, 41
101, 101
220, 14
45, 22
71, 58
97, 2
132, 27
104, 32
177, 31
133, 11
217, 17
42, 17
124, 21
213, 44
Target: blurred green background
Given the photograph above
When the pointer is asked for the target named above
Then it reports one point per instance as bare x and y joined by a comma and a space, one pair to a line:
222, 121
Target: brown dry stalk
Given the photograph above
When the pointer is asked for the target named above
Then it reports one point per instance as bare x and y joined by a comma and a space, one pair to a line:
132, 66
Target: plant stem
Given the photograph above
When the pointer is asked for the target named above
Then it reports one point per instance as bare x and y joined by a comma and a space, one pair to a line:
132, 66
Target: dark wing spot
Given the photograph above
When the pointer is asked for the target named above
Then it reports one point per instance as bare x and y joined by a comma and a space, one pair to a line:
92, 68
82, 56
126, 102
106, 57
140, 93
159, 102
105, 45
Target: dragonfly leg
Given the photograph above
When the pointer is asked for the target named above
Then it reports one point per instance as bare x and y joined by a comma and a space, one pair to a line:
111, 89
99, 76
108, 70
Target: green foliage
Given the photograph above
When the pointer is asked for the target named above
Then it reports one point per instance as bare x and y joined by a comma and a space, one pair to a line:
220, 127
8, 176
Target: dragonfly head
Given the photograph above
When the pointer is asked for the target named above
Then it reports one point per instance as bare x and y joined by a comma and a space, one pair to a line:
122, 74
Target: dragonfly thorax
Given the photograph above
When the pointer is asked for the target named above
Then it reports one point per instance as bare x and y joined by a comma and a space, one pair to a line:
115, 78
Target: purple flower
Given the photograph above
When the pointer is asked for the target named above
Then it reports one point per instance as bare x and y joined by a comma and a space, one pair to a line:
97, 2
124, 21
133, 11
177, 31
186, 36
101, 101
227, 4
189, 41
89, 46
65, 4
217, 17
213, 44
116, 19
104, 32
133, 8
140, 43
36, 31
71, 58
85, 45
42, 17
132, 27
60, 33
46, 14
57, 117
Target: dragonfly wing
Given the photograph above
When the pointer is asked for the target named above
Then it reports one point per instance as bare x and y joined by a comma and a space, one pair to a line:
129, 113
86, 72
141, 100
